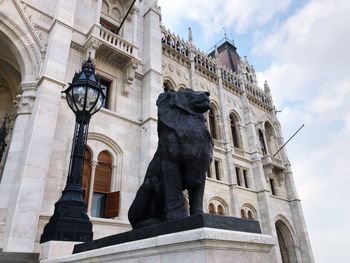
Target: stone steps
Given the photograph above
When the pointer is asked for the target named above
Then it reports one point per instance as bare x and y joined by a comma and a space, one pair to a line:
15, 257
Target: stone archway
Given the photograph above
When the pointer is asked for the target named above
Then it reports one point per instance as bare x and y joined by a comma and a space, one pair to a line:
10, 79
286, 243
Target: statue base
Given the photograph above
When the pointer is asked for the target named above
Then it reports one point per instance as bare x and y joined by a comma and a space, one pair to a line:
188, 223
203, 245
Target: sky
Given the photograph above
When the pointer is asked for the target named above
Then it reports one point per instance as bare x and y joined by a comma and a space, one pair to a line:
302, 48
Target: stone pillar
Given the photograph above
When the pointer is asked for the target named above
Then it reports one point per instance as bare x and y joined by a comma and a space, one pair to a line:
152, 82
24, 104
98, 11
225, 133
91, 186
191, 55
28, 188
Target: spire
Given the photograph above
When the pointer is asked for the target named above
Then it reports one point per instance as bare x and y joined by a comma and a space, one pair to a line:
190, 38
266, 87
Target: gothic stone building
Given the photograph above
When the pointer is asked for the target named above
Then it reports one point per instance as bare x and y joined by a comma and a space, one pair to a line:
42, 44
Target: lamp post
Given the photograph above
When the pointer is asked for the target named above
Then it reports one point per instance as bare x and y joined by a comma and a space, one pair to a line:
70, 221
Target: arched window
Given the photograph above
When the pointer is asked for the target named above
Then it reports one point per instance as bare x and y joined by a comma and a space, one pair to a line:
248, 211
213, 128
262, 142
234, 131
168, 86
97, 186
286, 242
243, 214
211, 209
250, 214
270, 139
221, 210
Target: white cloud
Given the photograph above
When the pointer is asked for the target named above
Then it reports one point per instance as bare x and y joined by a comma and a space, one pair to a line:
212, 16
310, 81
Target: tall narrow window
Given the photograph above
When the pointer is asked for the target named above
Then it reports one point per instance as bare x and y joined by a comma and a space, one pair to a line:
234, 130
209, 172
105, 85
211, 208
104, 202
217, 170
250, 215
238, 177
168, 86
273, 188
108, 25
243, 214
245, 177
102, 184
221, 210
213, 123
262, 142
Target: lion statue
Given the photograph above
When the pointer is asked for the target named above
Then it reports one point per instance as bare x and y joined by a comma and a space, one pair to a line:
184, 153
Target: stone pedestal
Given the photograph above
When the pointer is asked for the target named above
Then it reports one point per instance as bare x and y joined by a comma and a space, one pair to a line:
56, 249
198, 245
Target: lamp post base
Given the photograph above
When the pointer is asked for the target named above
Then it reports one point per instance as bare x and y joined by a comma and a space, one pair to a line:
68, 223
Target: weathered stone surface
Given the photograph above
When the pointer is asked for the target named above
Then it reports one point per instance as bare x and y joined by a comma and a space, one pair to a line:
203, 245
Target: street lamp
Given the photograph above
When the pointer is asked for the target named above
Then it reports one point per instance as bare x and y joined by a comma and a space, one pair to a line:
70, 221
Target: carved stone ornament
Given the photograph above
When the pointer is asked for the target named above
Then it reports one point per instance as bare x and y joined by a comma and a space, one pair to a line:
24, 104
185, 150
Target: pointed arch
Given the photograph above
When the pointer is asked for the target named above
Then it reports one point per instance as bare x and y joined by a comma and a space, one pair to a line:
25, 47
213, 121
234, 127
270, 135
220, 205
169, 83
286, 239
249, 211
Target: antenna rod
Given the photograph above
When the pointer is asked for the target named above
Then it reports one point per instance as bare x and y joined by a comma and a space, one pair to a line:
127, 13
288, 140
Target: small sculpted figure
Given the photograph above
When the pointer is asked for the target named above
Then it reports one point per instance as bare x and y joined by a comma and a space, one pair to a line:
184, 152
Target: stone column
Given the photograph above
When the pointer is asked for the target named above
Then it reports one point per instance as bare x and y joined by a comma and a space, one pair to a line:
151, 82
28, 188
225, 133
91, 186
23, 104
98, 11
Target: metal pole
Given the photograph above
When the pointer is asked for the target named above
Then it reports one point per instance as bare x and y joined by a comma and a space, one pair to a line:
127, 13
288, 140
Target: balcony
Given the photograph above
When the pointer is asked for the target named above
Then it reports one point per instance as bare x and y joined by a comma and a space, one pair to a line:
111, 47
268, 160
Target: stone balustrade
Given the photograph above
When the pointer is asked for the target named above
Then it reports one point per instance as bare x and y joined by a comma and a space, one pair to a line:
115, 40
175, 42
231, 77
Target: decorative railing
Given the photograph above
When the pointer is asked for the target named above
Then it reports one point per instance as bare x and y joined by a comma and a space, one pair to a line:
207, 66
230, 77
257, 93
116, 41
204, 61
174, 42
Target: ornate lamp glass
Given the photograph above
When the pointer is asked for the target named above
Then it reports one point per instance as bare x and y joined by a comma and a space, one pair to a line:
84, 95
70, 221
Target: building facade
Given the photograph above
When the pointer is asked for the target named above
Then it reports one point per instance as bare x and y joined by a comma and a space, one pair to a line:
42, 44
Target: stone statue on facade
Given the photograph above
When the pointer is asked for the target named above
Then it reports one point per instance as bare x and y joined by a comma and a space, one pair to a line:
184, 153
